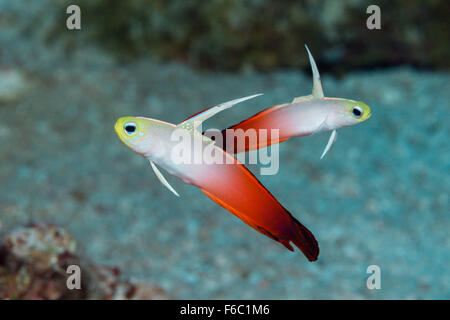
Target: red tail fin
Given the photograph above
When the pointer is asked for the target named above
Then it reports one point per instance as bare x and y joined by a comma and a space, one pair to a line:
298, 234
262, 120
305, 240
230, 142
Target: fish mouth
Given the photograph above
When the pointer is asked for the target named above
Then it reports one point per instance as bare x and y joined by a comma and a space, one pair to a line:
118, 127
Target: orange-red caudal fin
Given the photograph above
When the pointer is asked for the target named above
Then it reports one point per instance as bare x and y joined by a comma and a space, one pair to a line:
235, 147
241, 137
305, 241
291, 231
230, 142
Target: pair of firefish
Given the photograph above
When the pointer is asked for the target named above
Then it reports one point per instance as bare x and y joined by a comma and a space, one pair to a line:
231, 184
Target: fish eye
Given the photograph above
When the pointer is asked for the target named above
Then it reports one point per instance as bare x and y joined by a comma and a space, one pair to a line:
130, 128
357, 111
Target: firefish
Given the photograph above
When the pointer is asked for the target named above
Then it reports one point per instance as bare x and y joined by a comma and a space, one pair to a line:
228, 182
305, 116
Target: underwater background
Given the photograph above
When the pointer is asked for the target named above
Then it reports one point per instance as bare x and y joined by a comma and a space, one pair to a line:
71, 192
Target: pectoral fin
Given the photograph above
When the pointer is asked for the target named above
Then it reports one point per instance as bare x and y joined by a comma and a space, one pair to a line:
332, 139
162, 179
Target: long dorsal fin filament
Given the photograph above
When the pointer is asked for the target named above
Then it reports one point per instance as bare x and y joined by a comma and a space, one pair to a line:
194, 121
317, 91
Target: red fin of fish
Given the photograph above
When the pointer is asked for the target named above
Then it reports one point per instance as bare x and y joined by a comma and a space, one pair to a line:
290, 231
261, 120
